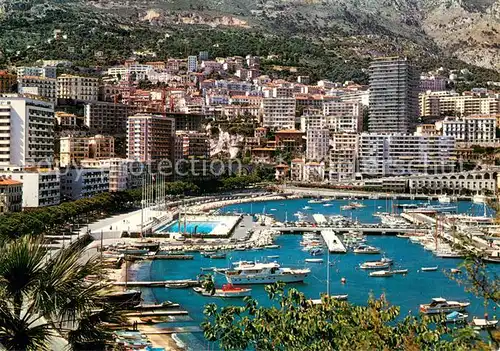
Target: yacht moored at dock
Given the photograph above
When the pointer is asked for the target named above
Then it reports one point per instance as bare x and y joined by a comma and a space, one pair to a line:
227, 291
441, 305
265, 273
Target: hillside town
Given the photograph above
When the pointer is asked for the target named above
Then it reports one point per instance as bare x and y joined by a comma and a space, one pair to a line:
66, 136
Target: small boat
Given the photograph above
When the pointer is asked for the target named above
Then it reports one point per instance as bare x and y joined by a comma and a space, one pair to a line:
479, 199
456, 317
274, 246
455, 270
273, 256
484, 323
400, 271
314, 201
307, 207
491, 259
314, 260
364, 249
429, 269
218, 256
441, 305
381, 274
327, 205
240, 248
227, 291
374, 265
316, 252
220, 270
444, 199
273, 209
258, 248
335, 297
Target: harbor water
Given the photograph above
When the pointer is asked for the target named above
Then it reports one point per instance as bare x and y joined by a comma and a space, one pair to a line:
406, 291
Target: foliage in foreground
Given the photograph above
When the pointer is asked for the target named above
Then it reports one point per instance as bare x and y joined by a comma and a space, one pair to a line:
42, 297
294, 323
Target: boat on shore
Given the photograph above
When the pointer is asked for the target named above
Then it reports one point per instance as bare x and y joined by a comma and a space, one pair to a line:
314, 260
227, 291
381, 274
441, 305
429, 269
265, 273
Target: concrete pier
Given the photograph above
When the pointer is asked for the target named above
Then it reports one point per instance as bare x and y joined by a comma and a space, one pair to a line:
333, 242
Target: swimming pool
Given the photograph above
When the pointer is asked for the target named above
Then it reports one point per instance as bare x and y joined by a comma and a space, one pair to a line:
192, 227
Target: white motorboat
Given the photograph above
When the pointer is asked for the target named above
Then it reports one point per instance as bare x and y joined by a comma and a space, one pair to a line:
343, 297
273, 246
456, 317
273, 256
365, 249
355, 204
327, 205
381, 274
455, 270
314, 260
429, 269
441, 305
313, 201
347, 208
448, 254
374, 265
265, 273
307, 207
227, 291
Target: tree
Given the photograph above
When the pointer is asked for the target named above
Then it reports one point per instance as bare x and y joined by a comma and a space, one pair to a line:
295, 323
42, 297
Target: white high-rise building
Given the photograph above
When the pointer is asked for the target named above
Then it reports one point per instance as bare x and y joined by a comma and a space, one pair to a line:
343, 156
43, 72
394, 88
26, 131
404, 154
77, 183
278, 108
317, 144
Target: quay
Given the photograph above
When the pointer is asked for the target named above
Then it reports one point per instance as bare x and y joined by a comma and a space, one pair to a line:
333, 242
188, 282
319, 218
368, 230
161, 313
160, 257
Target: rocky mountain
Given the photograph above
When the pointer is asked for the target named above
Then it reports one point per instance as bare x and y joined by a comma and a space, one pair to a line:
466, 30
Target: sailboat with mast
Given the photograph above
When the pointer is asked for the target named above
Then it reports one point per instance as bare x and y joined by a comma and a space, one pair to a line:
342, 297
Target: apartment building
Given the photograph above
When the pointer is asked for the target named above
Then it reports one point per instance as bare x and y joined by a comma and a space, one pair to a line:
432, 83
107, 117
394, 88
317, 144
134, 72
192, 63
65, 119
26, 131
11, 195
312, 119
77, 183
400, 154
278, 113
44, 87
40, 187
343, 116
74, 149
123, 173
453, 104
343, 156
290, 140
8, 82
42, 72
470, 129
150, 138
77, 87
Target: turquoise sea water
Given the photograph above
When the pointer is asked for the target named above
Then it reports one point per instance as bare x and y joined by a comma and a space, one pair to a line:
405, 291
192, 227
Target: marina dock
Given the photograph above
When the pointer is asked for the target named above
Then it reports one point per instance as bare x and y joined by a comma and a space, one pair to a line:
160, 257
188, 282
333, 242
159, 313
